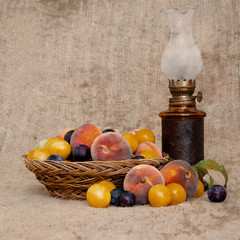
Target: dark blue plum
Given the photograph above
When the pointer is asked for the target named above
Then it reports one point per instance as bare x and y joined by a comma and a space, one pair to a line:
127, 199
115, 194
138, 157
81, 153
217, 193
68, 135
55, 157
108, 130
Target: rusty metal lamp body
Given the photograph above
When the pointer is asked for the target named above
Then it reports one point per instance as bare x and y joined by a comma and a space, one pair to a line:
182, 123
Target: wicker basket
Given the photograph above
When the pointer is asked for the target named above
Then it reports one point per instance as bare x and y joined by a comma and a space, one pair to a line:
70, 180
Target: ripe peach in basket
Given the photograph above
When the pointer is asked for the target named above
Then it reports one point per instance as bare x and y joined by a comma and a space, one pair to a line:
148, 146
110, 146
85, 135
140, 179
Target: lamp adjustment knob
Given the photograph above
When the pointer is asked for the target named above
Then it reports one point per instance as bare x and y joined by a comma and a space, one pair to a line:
199, 96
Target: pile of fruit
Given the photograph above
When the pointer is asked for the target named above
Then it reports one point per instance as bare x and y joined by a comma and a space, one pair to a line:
89, 142
175, 183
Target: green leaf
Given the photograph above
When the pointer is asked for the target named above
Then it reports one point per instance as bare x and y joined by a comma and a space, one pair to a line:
211, 180
195, 168
210, 164
202, 171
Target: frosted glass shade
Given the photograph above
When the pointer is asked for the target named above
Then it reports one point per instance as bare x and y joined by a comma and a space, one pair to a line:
181, 57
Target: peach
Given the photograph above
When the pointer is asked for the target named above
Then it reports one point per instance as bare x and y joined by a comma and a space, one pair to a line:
64, 131
110, 146
140, 179
181, 172
148, 146
85, 135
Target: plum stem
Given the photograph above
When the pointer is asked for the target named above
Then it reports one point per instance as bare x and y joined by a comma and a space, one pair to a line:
143, 180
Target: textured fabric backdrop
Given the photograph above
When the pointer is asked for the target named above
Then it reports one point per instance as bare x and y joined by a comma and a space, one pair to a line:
67, 62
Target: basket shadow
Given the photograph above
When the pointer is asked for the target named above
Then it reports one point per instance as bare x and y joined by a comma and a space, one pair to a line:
38, 190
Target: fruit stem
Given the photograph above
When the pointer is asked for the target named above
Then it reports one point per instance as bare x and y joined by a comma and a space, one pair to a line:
105, 149
187, 174
36, 139
143, 180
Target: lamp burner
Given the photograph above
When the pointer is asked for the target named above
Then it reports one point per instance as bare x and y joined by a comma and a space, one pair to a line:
182, 91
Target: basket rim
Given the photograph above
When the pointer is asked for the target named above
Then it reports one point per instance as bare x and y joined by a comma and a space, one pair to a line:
69, 166
87, 163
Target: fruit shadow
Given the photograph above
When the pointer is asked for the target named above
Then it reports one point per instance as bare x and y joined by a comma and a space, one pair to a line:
37, 190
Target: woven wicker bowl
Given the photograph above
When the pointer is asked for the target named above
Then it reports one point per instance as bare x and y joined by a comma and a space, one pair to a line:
70, 180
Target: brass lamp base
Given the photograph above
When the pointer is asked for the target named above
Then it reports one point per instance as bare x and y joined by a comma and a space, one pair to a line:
182, 92
182, 123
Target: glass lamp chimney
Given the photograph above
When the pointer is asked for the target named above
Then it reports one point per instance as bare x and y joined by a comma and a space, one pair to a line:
182, 123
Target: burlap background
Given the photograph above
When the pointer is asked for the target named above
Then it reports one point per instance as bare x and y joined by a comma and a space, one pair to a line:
67, 62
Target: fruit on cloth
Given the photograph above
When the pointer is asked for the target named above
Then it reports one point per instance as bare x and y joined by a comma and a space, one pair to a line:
55, 157
81, 153
85, 135
145, 135
159, 196
148, 154
109, 185
68, 135
178, 193
110, 146
58, 146
98, 196
127, 199
140, 179
62, 134
200, 190
115, 194
39, 154
148, 146
132, 140
217, 193
179, 171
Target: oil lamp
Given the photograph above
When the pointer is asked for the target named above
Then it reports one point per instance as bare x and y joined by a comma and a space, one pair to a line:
182, 123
